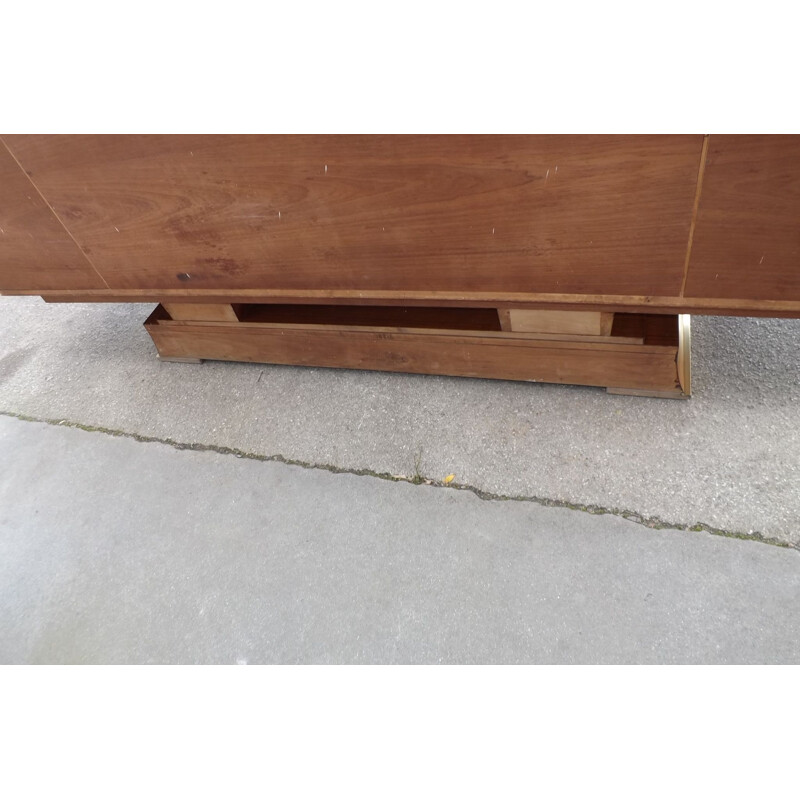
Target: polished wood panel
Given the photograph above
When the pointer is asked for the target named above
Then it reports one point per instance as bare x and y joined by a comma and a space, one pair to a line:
747, 236
36, 253
531, 214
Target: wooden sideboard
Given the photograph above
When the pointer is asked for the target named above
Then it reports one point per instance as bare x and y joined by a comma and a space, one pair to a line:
561, 243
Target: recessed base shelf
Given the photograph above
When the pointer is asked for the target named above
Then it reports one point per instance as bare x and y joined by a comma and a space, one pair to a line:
639, 353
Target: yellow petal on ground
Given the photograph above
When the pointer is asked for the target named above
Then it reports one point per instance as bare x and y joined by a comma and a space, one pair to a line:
449, 478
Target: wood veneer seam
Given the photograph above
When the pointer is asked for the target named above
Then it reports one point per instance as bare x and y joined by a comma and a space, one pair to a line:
698, 191
53, 212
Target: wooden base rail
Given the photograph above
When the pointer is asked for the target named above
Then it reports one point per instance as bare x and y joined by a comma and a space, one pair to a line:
641, 354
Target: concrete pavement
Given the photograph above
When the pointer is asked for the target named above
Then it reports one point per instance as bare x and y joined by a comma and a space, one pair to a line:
184, 533
119, 551
728, 458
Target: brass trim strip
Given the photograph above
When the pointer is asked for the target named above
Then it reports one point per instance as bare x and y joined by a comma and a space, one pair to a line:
685, 353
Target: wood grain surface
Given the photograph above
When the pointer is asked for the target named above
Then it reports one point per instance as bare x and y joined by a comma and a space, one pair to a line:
747, 235
471, 355
36, 252
208, 312
568, 302
587, 323
515, 214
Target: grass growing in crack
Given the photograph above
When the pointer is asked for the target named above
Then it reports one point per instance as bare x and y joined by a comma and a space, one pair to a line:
418, 477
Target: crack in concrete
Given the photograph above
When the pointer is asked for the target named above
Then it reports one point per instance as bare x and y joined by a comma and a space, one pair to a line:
653, 523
